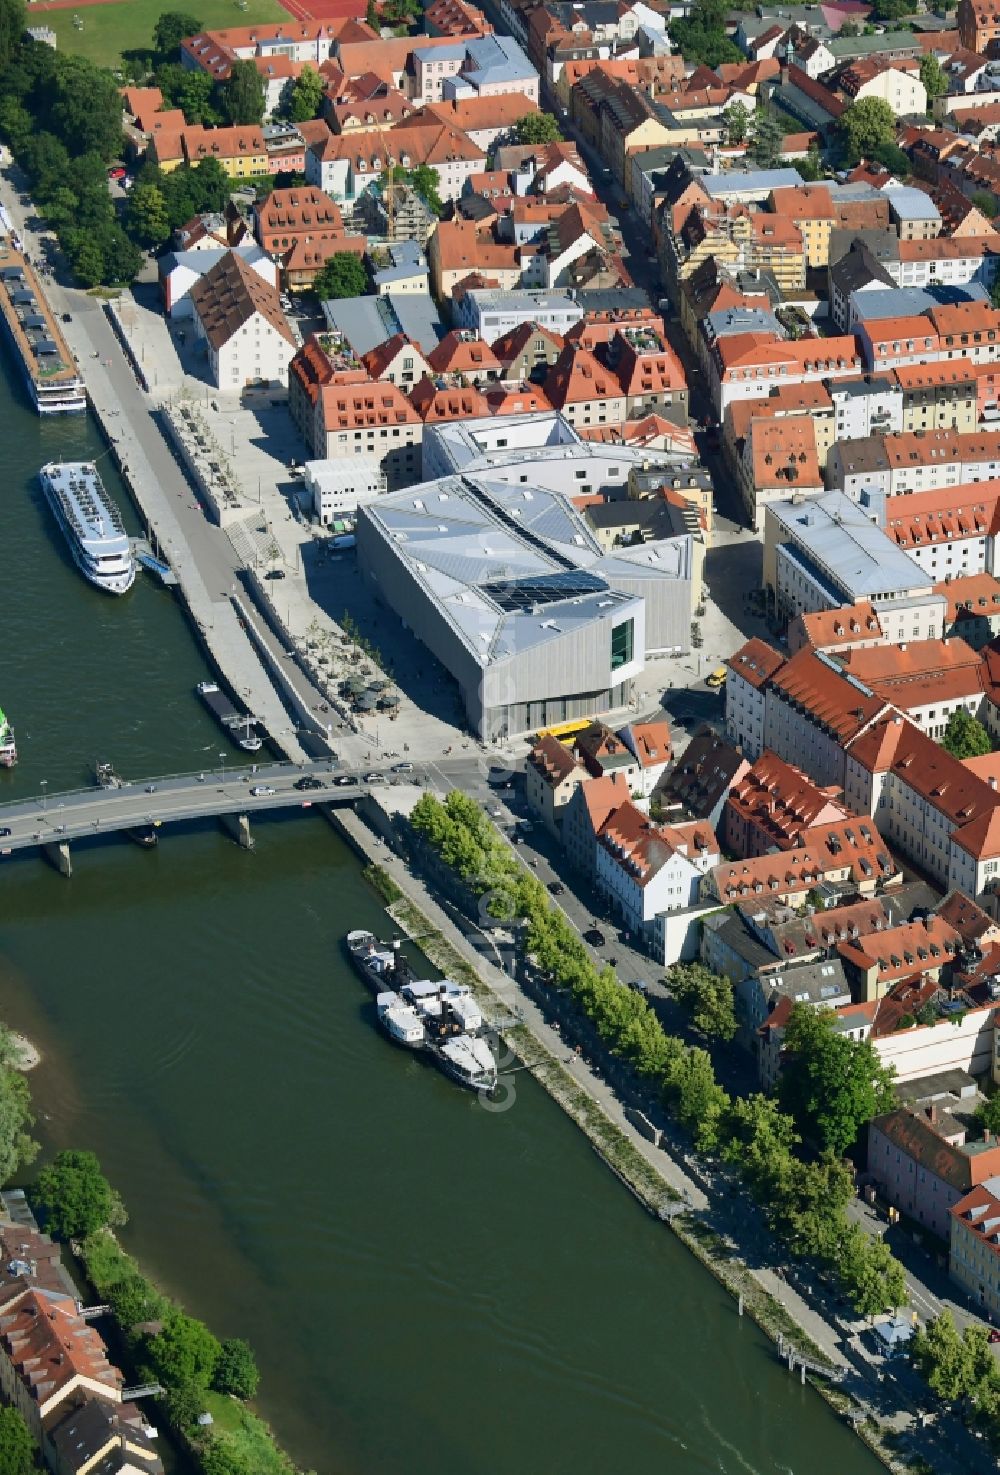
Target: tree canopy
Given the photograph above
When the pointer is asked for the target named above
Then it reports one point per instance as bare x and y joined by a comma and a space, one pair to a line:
736, 120
17, 1149
171, 29
75, 1197
236, 1369
707, 997
767, 140
988, 1114
342, 275
537, 128
965, 737
305, 96
17, 1448
864, 125
832, 1085
13, 19
701, 36
193, 92
933, 76
185, 1351
243, 96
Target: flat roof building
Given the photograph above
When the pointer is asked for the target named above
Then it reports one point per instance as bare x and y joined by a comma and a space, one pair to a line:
507, 587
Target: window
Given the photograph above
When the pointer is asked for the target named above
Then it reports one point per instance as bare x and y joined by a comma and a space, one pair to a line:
622, 644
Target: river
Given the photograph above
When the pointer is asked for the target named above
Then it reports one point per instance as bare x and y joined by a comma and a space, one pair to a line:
430, 1287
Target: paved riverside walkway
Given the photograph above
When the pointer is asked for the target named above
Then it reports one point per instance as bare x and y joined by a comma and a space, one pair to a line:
508, 991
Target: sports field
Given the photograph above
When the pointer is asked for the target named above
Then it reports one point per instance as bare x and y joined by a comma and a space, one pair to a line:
125, 25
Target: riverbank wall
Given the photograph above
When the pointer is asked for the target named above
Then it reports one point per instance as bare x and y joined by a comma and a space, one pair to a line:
653, 1177
216, 622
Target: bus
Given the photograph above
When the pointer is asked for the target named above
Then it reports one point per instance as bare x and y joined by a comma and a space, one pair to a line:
565, 732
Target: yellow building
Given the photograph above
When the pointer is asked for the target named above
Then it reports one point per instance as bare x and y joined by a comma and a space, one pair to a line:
939, 396
240, 150
810, 208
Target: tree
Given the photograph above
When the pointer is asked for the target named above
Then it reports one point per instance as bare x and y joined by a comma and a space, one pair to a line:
372, 17
934, 78
147, 215
236, 1370
342, 275
426, 181
700, 1101
892, 157
85, 257
537, 128
831, 1085
988, 1114
171, 29
964, 737
864, 125
707, 996
85, 108
870, 1273
17, 1448
701, 36
243, 95
13, 19
985, 203
16, 1147
811, 167
306, 96
191, 91
943, 1358
892, 9
75, 1196
767, 140
806, 1206
737, 122
185, 1351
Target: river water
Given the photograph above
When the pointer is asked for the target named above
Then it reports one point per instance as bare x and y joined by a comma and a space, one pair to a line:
430, 1287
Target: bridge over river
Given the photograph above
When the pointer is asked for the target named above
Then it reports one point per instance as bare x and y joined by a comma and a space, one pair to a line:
51, 821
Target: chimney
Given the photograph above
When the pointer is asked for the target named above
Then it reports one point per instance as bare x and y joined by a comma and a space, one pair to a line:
992, 781
902, 645
932, 1112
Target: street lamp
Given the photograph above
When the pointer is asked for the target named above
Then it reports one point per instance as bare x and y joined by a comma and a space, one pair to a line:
222, 760
44, 786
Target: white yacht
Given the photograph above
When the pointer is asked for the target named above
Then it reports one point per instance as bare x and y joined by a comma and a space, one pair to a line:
91, 523
401, 1021
8, 747
469, 1061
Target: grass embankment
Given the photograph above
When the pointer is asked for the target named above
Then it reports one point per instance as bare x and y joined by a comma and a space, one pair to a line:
236, 1433
109, 30
380, 881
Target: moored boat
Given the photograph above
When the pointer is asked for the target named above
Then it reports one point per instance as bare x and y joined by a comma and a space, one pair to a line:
8, 747
91, 524
442, 1019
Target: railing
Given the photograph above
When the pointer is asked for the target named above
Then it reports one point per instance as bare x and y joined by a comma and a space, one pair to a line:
49, 798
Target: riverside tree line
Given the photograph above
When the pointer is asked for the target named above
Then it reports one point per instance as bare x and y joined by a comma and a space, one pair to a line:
787, 1150
75, 1203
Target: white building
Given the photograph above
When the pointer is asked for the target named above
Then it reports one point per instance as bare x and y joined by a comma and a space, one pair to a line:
750, 669
339, 488
646, 869
490, 314
179, 270
239, 318
867, 406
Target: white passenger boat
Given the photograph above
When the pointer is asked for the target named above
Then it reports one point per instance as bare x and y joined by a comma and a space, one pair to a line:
91, 524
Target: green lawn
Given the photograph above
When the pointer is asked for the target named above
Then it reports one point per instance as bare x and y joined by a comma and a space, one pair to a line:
108, 30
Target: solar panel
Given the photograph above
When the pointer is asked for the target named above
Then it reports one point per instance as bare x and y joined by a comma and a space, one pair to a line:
521, 594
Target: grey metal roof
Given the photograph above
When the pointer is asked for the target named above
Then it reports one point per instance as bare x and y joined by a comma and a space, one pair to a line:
509, 567
834, 538
911, 204
904, 302
736, 181
367, 322
845, 48
743, 320
861, 387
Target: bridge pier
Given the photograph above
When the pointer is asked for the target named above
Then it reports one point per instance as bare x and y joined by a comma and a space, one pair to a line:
57, 854
238, 827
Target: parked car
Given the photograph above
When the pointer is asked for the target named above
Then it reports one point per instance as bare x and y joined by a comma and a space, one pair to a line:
307, 781
117, 171
259, 791
67, 317
717, 678
595, 937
